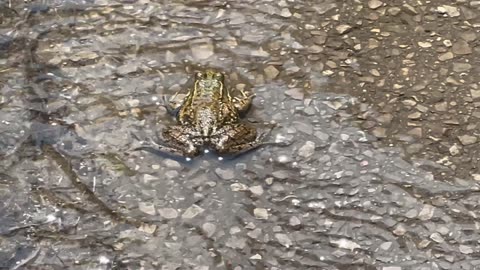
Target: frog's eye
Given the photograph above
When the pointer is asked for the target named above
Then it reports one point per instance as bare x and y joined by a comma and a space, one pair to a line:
219, 76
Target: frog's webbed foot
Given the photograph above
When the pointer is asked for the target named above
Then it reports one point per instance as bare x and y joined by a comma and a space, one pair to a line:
176, 150
172, 106
243, 148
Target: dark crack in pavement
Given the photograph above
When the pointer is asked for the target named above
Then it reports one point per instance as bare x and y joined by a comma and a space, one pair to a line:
379, 100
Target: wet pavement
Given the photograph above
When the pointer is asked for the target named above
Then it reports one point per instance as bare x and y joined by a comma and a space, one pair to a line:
378, 100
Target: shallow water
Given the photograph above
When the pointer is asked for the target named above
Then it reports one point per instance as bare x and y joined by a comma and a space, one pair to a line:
81, 84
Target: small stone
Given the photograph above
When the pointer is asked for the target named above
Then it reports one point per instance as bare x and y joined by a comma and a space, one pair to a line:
283, 239
255, 234
169, 56
256, 190
171, 174
375, 72
415, 115
269, 181
307, 150
168, 213
427, 212
321, 135
465, 249
345, 243
192, 211
260, 213
126, 69
424, 243
446, 56
236, 242
148, 178
83, 55
148, 228
424, 44
461, 67
294, 221
320, 38
334, 104
209, 228
368, 79
386, 245
284, 159
255, 257
344, 137
259, 53
469, 36
285, 13
280, 174
467, 139
411, 213
454, 150
227, 174
437, 237
271, 72
461, 47
399, 230
310, 111
409, 102
394, 11
295, 93
422, 108
443, 230
147, 208
409, 9
476, 176
475, 93
447, 43
315, 49
379, 132
343, 28
441, 107
374, 4
373, 43
417, 132
238, 187
172, 164
414, 148
385, 118
391, 268
202, 51
449, 10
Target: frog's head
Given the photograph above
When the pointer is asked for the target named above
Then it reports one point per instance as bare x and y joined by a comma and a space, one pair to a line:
209, 81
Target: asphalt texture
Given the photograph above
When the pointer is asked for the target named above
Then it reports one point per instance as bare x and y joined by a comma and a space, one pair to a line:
376, 103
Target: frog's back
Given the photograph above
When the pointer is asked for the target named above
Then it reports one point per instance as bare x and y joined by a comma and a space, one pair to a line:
208, 102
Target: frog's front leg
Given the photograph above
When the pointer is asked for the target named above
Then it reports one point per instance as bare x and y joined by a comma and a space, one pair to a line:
179, 140
242, 104
237, 139
172, 104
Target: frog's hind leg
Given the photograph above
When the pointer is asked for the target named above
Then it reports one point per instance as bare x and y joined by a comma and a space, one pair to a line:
165, 148
239, 139
177, 141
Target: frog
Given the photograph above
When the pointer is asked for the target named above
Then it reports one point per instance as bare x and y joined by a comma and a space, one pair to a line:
209, 117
